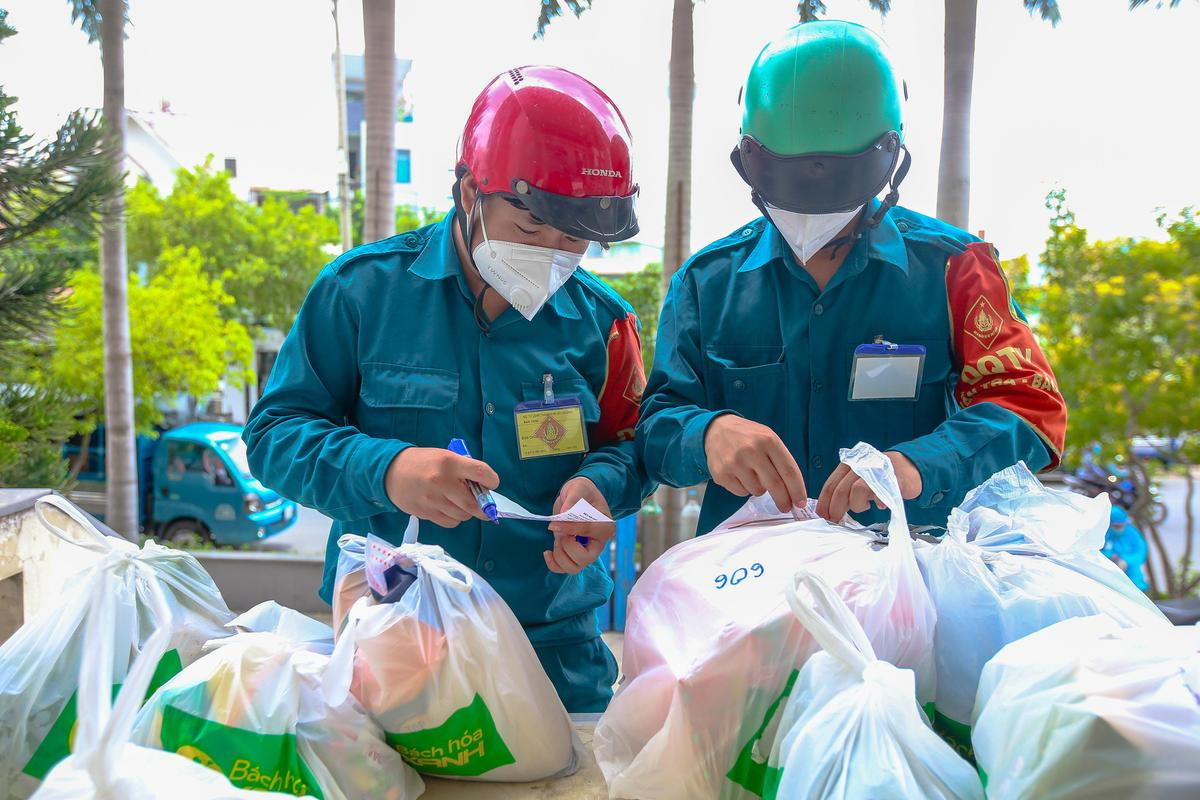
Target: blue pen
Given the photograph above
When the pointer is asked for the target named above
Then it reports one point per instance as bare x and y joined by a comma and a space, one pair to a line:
482, 496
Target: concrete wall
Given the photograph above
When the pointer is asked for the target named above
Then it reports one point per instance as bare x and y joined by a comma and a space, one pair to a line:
35, 565
248, 578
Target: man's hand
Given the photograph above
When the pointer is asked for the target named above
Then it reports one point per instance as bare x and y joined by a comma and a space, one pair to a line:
431, 483
845, 491
568, 555
747, 458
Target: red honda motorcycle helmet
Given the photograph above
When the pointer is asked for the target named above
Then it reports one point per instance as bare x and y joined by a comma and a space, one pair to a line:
552, 141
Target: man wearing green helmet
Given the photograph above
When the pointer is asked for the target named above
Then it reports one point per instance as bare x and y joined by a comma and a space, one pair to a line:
837, 317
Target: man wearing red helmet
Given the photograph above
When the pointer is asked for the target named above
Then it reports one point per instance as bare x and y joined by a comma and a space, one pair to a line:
481, 327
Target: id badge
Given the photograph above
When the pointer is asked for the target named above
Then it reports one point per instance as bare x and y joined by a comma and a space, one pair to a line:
886, 371
552, 426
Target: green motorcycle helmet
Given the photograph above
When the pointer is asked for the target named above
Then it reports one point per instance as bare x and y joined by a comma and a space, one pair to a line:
822, 121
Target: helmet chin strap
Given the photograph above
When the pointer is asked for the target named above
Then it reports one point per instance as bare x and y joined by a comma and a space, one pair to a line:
466, 224
865, 223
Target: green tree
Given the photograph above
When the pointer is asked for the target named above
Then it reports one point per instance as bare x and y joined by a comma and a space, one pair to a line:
1120, 321
643, 291
407, 217
182, 336
266, 256
50, 195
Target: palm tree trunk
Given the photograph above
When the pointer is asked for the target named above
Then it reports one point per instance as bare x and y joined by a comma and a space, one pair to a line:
120, 461
343, 136
677, 236
954, 171
379, 182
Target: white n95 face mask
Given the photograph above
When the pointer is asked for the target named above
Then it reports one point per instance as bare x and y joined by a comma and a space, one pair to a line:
808, 233
523, 274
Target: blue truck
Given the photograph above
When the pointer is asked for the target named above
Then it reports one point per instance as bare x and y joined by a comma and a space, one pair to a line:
193, 483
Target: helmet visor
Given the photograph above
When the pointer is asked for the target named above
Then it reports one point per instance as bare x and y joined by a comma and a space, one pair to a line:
817, 183
596, 219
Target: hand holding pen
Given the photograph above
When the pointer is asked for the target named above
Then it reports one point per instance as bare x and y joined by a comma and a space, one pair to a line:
482, 496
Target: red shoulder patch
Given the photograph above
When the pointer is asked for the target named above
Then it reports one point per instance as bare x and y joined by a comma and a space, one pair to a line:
998, 357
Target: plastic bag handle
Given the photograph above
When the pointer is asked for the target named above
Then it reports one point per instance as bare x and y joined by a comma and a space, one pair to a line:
411, 530
877, 472
827, 617
105, 725
352, 543
98, 541
339, 673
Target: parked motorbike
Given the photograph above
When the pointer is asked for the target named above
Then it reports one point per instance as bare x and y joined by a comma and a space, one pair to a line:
1092, 480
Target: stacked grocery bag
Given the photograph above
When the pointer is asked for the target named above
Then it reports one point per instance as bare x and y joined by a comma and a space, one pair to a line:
142, 684
786, 657
781, 656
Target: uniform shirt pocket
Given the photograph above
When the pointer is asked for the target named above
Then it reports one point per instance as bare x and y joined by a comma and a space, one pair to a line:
751, 380
413, 404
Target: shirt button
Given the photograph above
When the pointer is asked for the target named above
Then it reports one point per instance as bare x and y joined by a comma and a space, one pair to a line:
902, 226
818, 386
747, 231
817, 462
818, 309
411, 241
938, 497
739, 384
490, 409
489, 565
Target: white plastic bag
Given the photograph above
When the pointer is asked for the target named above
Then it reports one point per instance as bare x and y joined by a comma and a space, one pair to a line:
449, 673
1016, 558
1088, 709
852, 727
254, 710
711, 648
40, 663
287, 623
104, 765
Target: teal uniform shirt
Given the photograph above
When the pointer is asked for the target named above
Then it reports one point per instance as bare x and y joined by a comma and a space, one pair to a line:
746, 330
385, 354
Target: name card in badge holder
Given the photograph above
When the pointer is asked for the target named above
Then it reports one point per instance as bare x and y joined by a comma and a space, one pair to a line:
552, 426
887, 371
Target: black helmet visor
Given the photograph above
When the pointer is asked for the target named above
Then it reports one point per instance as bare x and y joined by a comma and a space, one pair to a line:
596, 219
817, 183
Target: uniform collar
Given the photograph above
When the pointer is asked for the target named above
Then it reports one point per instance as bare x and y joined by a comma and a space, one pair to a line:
438, 260
885, 244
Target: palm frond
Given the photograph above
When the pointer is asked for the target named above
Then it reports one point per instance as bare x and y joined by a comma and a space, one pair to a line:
6, 30
1158, 3
555, 8
86, 14
1047, 8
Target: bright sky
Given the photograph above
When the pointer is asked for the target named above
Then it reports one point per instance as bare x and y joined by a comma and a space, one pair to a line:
1103, 105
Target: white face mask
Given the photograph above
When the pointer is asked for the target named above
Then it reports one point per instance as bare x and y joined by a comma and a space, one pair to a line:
808, 233
523, 274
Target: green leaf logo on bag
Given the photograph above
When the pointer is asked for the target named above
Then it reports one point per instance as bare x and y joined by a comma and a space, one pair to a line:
750, 770
263, 761
60, 739
956, 734
466, 744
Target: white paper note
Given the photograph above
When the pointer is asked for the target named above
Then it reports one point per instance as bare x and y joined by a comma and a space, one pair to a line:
582, 511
